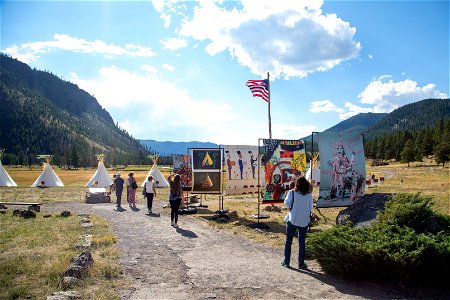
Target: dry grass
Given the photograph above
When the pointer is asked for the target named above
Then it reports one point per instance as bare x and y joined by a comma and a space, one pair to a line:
426, 177
35, 252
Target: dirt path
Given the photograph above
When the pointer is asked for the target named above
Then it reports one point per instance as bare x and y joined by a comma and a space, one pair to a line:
197, 261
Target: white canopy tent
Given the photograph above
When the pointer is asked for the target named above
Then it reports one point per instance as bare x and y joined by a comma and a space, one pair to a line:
5, 179
47, 178
101, 177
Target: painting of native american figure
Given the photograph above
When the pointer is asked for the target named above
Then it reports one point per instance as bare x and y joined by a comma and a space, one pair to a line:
241, 169
283, 161
182, 167
206, 159
342, 169
206, 182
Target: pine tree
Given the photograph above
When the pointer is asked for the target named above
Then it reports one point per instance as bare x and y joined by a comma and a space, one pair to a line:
442, 150
407, 154
419, 148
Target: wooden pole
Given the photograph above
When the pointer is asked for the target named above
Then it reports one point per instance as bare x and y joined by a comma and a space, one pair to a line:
270, 123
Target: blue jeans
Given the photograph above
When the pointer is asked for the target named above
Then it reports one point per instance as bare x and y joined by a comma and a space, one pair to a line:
290, 232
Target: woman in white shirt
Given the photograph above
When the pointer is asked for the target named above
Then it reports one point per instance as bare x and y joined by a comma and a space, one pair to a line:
299, 201
150, 192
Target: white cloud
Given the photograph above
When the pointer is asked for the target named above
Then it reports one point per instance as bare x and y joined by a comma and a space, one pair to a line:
385, 96
168, 67
382, 95
173, 44
324, 106
353, 110
292, 131
150, 69
158, 107
287, 38
31, 51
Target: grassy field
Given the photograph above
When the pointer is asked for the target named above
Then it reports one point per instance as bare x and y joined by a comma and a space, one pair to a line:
21, 242
35, 252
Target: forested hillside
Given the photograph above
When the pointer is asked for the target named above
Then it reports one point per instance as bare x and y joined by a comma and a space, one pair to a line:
411, 132
409, 146
412, 117
42, 114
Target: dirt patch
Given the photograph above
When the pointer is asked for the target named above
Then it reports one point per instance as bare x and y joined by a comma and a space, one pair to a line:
197, 261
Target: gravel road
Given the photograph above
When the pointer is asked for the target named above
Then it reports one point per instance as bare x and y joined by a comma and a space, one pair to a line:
197, 261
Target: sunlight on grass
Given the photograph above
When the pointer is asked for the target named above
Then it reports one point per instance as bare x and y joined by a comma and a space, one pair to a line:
425, 177
35, 252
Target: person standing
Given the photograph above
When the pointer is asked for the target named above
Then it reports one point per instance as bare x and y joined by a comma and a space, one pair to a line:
299, 201
111, 187
150, 192
131, 190
175, 196
118, 187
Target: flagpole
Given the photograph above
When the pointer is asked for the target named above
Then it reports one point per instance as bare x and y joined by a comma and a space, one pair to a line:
270, 124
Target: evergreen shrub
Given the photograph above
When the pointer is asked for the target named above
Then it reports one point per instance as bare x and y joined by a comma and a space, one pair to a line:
402, 246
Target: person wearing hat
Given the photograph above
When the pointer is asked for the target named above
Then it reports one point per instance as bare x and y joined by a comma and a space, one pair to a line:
118, 187
131, 190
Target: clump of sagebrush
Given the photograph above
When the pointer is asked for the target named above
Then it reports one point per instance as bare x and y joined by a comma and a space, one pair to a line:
409, 243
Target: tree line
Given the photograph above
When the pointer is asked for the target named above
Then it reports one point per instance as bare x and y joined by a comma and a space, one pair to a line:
408, 146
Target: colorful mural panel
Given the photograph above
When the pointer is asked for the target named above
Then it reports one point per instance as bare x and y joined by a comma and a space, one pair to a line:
342, 169
282, 161
241, 166
207, 171
182, 167
206, 159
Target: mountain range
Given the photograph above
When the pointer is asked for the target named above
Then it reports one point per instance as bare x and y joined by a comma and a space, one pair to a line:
43, 114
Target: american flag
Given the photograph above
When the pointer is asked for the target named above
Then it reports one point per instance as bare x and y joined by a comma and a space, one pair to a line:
259, 88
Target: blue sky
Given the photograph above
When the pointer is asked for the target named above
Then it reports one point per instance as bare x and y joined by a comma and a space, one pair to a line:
176, 70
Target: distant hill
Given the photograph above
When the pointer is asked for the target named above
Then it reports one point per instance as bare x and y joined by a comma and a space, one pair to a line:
359, 123
168, 148
42, 114
411, 117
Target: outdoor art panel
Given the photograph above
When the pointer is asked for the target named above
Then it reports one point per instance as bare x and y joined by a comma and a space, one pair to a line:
206, 182
207, 170
282, 161
241, 166
342, 169
206, 159
182, 167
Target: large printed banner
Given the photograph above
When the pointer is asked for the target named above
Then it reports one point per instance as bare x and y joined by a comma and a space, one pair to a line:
206, 171
182, 167
282, 160
241, 169
342, 169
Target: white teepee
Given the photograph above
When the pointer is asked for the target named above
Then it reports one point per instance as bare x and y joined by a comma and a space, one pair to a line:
313, 172
5, 179
101, 177
158, 177
48, 177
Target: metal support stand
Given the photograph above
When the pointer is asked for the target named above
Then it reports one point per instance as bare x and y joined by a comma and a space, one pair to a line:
259, 215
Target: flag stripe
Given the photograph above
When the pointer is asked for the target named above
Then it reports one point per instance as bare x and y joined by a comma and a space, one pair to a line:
259, 89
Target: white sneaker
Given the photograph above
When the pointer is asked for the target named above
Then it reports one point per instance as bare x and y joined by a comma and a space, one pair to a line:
172, 223
175, 225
